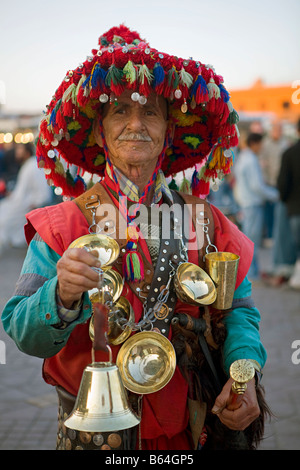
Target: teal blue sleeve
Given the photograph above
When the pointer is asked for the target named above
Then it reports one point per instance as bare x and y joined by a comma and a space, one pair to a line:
243, 337
30, 316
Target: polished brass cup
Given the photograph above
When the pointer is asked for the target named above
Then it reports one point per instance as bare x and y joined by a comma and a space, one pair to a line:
104, 247
193, 285
146, 362
101, 404
111, 287
119, 314
222, 268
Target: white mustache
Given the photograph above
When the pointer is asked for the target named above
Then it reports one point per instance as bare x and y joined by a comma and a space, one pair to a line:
133, 136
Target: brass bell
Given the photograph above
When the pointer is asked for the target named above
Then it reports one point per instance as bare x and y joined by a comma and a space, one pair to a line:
101, 404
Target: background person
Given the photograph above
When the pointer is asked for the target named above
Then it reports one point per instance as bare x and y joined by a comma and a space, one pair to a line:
289, 188
30, 191
251, 193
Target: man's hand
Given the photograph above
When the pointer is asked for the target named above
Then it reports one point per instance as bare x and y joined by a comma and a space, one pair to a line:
75, 275
242, 417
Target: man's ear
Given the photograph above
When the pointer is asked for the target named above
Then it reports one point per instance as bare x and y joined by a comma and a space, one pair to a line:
97, 133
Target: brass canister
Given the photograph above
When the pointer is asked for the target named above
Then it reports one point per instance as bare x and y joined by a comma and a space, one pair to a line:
222, 268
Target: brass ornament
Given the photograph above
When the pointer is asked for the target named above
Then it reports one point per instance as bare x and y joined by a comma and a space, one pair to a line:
241, 371
193, 285
146, 362
222, 268
104, 247
121, 313
162, 313
111, 287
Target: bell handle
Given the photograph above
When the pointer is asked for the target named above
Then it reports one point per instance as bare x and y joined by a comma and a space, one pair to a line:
109, 352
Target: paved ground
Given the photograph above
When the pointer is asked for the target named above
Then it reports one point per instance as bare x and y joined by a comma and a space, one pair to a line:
28, 407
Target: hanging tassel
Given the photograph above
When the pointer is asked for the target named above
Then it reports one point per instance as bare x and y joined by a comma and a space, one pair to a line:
186, 81
130, 72
203, 188
173, 185
185, 186
52, 121
224, 93
145, 79
214, 94
213, 89
133, 268
114, 79
98, 77
186, 78
199, 90
172, 82
159, 78
233, 117
81, 95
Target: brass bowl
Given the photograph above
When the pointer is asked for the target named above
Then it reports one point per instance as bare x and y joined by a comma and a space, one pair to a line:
122, 311
112, 286
193, 285
146, 362
104, 247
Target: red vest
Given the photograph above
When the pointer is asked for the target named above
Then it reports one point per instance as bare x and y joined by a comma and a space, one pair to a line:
59, 226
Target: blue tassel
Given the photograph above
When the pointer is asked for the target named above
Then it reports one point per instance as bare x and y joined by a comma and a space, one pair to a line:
159, 75
199, 90
224, 93
53, 113
195, 180
86, 81
98, 77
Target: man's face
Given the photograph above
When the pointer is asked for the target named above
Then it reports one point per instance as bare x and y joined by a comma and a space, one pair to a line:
135, 133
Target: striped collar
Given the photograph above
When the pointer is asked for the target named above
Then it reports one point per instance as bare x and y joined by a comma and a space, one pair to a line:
131, 190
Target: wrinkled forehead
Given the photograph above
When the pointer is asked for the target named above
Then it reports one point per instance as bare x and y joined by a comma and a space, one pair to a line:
154, 101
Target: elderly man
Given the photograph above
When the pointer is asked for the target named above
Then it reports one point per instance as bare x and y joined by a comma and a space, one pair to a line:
132, 115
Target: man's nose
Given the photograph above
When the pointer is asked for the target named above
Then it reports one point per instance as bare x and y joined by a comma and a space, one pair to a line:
136, 121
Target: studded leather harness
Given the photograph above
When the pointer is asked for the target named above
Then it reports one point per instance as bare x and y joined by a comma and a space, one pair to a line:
175, 223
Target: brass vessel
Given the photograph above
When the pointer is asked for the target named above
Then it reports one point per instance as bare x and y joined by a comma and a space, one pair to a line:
146, 362
193, 285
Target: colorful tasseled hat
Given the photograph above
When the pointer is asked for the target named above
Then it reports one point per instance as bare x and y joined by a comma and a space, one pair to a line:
205, 121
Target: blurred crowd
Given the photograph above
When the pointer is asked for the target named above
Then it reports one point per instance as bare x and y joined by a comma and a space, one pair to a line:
23, 187
262, 196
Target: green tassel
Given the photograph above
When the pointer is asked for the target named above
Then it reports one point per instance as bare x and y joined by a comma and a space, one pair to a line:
185, 186
185, 78
114, 76
130, 72
144, 72
233, 117
173, 185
